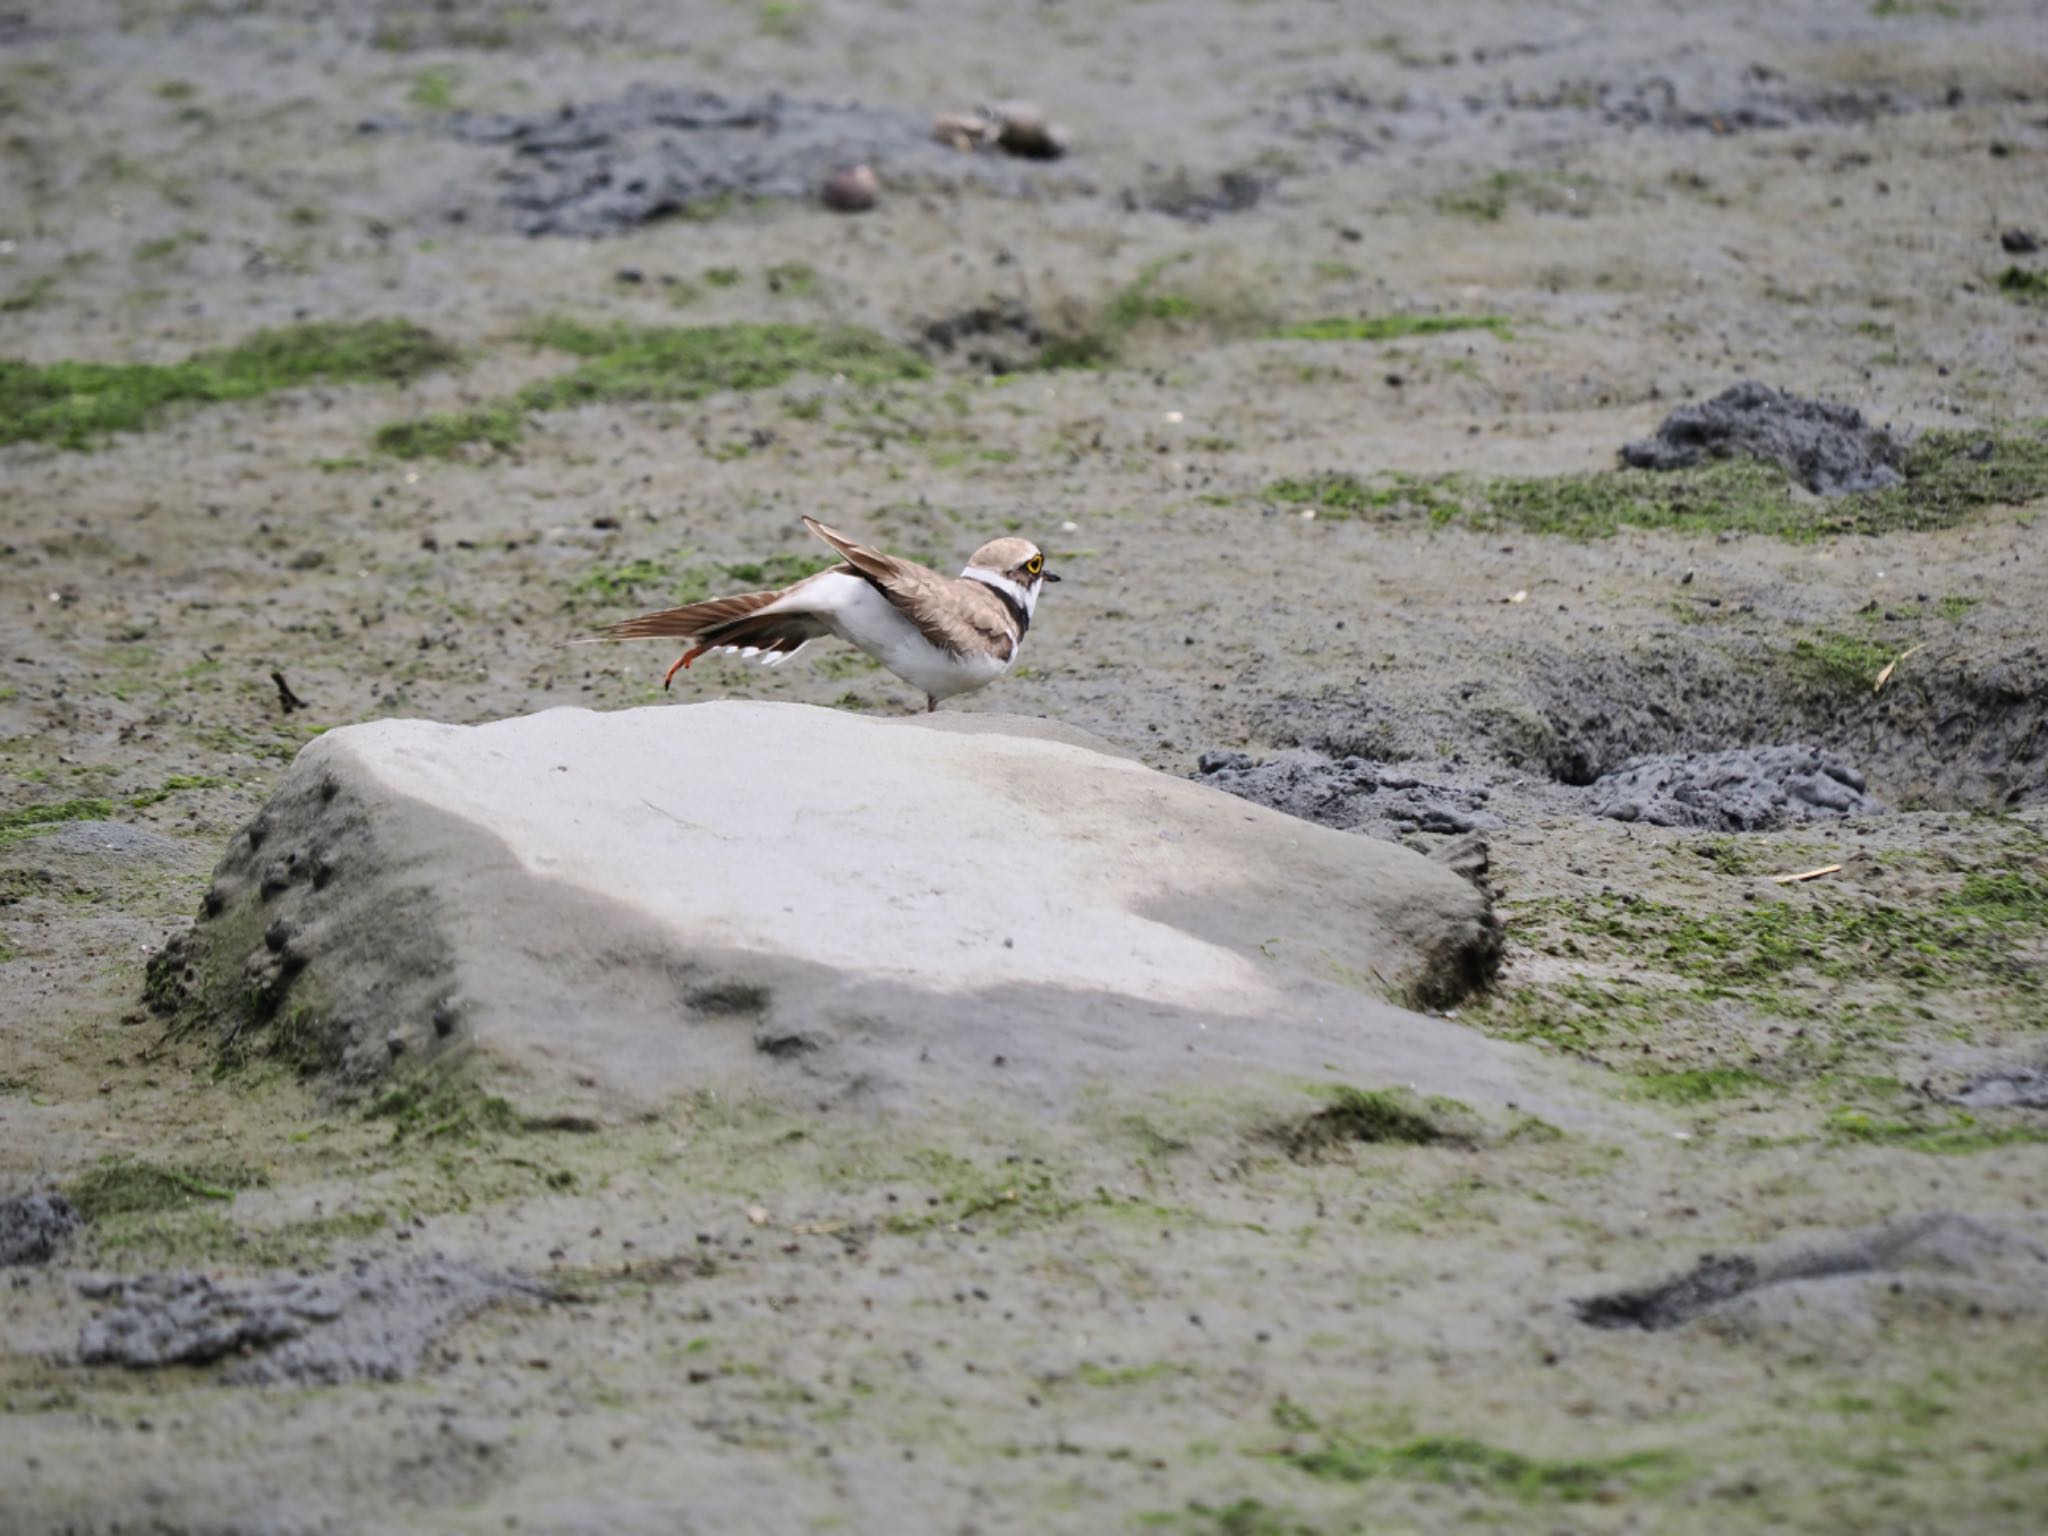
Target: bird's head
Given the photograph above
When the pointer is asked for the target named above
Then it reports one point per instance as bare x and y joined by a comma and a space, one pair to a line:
1015, 566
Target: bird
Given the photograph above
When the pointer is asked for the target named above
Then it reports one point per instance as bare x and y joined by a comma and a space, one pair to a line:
946, 635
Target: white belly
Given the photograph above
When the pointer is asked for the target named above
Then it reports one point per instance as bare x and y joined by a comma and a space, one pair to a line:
862, 617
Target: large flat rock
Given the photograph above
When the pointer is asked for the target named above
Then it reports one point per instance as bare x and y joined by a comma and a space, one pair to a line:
749, 897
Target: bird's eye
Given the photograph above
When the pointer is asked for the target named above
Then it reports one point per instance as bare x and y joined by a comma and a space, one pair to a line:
1035, 564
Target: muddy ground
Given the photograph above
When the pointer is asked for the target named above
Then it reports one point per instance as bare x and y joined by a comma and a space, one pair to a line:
740, 1317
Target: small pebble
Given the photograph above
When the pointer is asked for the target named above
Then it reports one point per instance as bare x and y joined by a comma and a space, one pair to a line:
852, 190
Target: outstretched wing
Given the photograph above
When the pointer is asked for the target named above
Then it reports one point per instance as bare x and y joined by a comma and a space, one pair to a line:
955, 615
776, 623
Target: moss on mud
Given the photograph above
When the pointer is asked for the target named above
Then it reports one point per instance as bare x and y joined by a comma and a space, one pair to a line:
1966, 937
1336, 1455
452, 434
75, 404
1353, 1115
1701, 1085
1393, 327
629, 363
207, 1236
29, 820
1838, 661
1951, 1134
442, 1104
626, 364
1342, 496
1147, 301
1709, 999
1240, 1517
1948, 475
124, 1186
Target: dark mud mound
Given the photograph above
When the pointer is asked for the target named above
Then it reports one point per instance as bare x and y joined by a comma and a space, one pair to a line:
1196, 198
372, 1319
997, 336
1949, 731
1351, 794
606, 167
1988, 1260
34, 1227
1830, 449
1750, 789
2013, 1088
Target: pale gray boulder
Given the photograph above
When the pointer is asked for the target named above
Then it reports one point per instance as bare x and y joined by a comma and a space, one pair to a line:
745, 897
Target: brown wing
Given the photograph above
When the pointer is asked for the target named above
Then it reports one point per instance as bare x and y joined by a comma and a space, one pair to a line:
953, 614
735, 620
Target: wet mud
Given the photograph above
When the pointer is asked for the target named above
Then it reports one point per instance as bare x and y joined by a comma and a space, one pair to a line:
35, 1228
1748, 790
1461, 256
1351, 794
373, 1318
596, 168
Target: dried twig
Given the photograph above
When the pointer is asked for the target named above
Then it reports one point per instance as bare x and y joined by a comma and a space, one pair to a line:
285, 696
1806, 874
1891, 666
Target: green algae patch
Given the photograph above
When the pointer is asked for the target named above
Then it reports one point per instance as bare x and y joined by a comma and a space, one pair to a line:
443, 1105
1974, 936
1149, 301
1240, 1517
1957, 1135
124, 1186
1092, 1375
1366, 1115
1948, 476
1397, 327
1702, 1085
453, 434
28, 820
177, 783
2027, 286
1342, 496
205, 1235
74, 405
1008, 1196
1335, 1455
628, 363
1839, 661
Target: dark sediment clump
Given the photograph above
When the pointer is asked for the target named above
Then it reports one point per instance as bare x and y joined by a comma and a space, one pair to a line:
34, 1227
1196, 199
1761, 99
1351, 794
2013, 1088
372, 1319
1830, 449
606, 167
1355, 122
1709, 1283
1750, 789
1988, 1261
995, 336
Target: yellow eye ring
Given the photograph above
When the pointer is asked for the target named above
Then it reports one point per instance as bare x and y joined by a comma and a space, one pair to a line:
1035, 564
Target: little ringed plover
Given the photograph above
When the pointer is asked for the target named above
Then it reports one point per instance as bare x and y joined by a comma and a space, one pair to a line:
943, 634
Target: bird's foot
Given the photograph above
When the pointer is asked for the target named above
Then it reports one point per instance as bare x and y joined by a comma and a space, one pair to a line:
688, 657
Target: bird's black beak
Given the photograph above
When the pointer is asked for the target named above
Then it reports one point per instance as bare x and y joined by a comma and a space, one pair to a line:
1047, 576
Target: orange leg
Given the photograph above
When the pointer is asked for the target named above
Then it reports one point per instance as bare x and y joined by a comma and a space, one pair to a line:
688, 657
